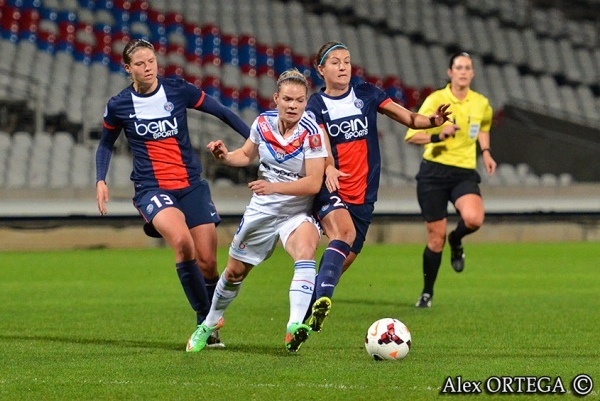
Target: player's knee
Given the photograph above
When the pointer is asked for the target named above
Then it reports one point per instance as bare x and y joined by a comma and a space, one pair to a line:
183, 246
233, 275
346, 234
436, 241
473, 221
306, 252
208, 265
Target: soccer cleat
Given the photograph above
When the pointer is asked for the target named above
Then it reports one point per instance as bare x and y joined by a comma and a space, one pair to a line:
198, 340
214, 341
320, 310
296, 334
424, 301
457, 254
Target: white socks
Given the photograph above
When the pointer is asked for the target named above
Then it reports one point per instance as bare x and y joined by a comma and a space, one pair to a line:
225, 293
301, 289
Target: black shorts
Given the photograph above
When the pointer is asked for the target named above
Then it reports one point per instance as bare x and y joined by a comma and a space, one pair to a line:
438, 184
361, 215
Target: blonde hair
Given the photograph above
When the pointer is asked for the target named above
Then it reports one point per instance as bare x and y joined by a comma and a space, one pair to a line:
292, 75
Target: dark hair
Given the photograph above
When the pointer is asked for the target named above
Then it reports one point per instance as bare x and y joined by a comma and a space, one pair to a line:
134, 45
292, 75
323, 52
455, 55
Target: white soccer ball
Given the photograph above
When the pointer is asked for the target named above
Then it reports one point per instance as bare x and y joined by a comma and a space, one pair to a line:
388, 339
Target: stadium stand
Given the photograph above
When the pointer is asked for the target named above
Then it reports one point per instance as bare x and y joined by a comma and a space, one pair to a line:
63, 59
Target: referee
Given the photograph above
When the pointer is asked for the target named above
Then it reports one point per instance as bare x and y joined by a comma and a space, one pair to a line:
448, 169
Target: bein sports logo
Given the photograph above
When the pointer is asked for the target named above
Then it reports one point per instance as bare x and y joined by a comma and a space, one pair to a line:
158, 129
354, 128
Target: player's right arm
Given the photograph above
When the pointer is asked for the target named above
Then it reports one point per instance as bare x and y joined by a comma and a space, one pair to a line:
236, 158
332, 174
110, 133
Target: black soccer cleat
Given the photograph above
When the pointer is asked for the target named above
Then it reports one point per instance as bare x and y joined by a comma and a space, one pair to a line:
424, 301
457, 254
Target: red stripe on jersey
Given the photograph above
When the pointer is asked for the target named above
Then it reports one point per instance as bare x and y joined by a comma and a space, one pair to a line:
265, 129
169, 169
382, 104
199, 102
352, 159
108, 127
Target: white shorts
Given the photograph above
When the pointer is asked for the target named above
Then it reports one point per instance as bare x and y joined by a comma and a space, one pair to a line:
257, 235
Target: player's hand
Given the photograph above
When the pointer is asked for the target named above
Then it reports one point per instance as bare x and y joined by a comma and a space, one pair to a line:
218, 149
332, 178
441, 115
261, 187
102, 197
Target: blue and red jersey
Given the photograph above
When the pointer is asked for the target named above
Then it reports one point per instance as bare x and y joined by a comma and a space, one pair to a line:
156, 128
350, 121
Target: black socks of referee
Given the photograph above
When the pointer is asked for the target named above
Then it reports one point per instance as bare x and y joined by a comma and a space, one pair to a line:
431, 266
460, 232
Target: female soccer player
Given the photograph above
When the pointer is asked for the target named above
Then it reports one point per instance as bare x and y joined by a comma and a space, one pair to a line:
292, 153
344, 207
447, 172
169, 191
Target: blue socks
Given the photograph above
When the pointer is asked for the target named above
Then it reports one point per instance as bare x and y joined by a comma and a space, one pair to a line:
330, 268
194, 287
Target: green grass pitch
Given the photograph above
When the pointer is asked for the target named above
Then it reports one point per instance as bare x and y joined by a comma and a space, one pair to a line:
112, 325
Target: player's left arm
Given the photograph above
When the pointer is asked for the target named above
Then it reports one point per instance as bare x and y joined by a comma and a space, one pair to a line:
415, 120
210, 105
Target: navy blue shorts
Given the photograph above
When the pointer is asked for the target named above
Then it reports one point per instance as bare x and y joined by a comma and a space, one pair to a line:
361, 215
438, 184
195, 202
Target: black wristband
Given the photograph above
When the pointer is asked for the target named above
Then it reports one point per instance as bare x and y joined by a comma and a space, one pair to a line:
435, 138
486, 149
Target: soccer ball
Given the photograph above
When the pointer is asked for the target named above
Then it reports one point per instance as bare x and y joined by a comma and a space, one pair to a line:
388, 338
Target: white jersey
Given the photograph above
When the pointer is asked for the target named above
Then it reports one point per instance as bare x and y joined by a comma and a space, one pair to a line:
282, 160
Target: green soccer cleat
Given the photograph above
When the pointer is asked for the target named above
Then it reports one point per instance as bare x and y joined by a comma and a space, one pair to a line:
320, 310
198, 340
296, 334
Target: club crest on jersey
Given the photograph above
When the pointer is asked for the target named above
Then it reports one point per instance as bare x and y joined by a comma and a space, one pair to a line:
264, 126
315, 141
169, 106
149, 208
358, 103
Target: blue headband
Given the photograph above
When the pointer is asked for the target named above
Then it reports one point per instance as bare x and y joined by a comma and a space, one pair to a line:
338, 46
